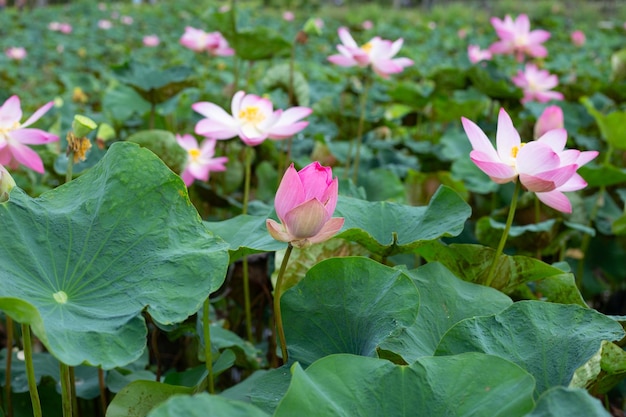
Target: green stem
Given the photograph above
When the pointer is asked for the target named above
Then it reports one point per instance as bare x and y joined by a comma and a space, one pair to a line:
505, 234
70, 166
7, 376
208, 353
292, 58
277, 314
66, 390
359, 133
30, 371
103, 391
246, 277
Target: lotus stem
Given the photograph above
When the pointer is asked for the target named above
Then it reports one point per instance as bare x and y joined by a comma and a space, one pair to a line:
505, 234
66, 390
7, 375
208, 353
359, 133
103, 391
30, 371
70, 166
278, 291
246, 278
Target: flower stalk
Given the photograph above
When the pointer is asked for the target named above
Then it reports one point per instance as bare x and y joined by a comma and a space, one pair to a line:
66, 390
208, 353
505, 234
30, 372
245, 269
278, 292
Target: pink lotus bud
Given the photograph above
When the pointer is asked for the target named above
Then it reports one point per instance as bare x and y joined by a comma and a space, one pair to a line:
305, 202
15, 53
367, 25
578, 38
288, 16
7, 183
151, 40
551, 118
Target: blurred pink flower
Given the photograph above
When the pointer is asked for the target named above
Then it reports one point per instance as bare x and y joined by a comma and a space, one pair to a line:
127, 20
253, 120
551, 118
305, 203
105, 24
475, 54
578, 38
543, 166
65, 28
151, 40
200, 159
199, 41
14, 136
377, 52
319, 23
288, 16
367, 25
16, 53
462, 33
537, 84
517, 39
54, 26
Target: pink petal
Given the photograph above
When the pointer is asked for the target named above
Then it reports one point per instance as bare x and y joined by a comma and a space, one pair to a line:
548, 180
479, 140
315, 180
235, 104
33, 136
536, 157
284, 132
555, 138
10, 112
307, 219
212, 111
187, 178
499, 172
585, 157
538, 36
575, 183
507, 137
27, 157
187, 142
330, 229
557, 200
290, 193
346, 38
199, 171
294, 114
277, 231
216, 129
37, 115
342, 61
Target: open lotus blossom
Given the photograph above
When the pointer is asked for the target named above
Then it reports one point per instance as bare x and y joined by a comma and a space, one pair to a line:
377, 52
543, 166
200, 159
475, 54
517, 39
253, 119
16, 53
551, 118
151, 41
578, 38
536, 84
198, 40
14, 136
305, 203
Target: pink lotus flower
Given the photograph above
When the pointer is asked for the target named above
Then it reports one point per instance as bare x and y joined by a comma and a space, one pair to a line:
537, 84
151, 41
200, 160
543, 166
16, 53
551, 118
578, 38
65, 28
253, 120
127, 20
517, 39
199, 41
377, 52
14, 136
475, 54
305, 203
105, 24
288, 16
367, 25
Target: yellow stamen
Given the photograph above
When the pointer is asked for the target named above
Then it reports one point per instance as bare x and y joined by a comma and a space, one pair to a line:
515, 149
367, 47
251, 114
194, 154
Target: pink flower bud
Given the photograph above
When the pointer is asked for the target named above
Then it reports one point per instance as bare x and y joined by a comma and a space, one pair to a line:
305, 202
7, 183
551, 118
578, 38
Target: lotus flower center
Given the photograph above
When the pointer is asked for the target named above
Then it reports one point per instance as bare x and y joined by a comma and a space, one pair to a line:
520, 40
367, 47
252, 115
4, 130
194, 154
515, 150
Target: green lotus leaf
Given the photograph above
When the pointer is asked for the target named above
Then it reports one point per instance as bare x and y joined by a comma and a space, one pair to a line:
202, 405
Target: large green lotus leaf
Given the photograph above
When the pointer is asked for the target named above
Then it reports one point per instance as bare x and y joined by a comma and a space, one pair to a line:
388, 229
561, 401
548, 340
164, 144
346, 305
203, 405
81, 262
472, 262
603, 174
139, 397
245, 235
611, 125
464, 385
444, 301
